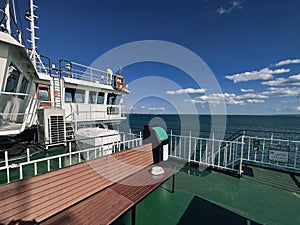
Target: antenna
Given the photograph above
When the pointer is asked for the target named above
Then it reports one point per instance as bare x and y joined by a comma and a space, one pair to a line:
7, 13
16, 22
34, 56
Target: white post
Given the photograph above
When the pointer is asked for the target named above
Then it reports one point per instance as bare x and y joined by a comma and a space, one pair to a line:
190, 146
241, 159
28, 154
21, 172
7, 166
212, 155
171, 143
35, 169
91, 74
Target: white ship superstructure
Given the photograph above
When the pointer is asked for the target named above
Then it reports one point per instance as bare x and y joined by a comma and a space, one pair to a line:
54, 101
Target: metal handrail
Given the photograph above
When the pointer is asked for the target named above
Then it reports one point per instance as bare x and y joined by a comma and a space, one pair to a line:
230, 153
118, 146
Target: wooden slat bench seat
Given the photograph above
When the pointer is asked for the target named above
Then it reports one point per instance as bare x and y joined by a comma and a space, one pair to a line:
106, 206
88, 192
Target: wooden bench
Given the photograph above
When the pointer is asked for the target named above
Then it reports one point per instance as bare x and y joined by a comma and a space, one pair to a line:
93, 192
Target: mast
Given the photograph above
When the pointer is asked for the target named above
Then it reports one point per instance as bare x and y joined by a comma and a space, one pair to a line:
34, 56
7, 13
32, 17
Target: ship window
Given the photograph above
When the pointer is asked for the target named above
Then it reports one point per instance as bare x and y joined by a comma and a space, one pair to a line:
79, 96
113, 99
69, 95
12, 80
24, 85
43, 94
100, 98
92, 97
74, 95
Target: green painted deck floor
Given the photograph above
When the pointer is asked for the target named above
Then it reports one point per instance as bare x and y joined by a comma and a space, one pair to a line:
211, 198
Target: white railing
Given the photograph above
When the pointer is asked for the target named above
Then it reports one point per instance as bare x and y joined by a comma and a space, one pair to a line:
87, 73
63, 160
230, 155
272, 152
209, 152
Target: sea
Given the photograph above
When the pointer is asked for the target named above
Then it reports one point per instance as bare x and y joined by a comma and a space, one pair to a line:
285, 127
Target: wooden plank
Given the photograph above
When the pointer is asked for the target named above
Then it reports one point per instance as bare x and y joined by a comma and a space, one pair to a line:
33, 201
42, 196
101, 208
139, 185
108, 205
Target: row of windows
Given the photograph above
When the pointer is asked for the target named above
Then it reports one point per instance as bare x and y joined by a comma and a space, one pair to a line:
13, 80
78, 96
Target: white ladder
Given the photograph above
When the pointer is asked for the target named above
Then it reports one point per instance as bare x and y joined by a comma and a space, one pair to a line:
57, 92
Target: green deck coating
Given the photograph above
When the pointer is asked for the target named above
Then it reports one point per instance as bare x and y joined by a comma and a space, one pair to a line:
202, 197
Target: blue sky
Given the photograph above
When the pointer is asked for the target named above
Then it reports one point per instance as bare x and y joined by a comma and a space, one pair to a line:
251, 46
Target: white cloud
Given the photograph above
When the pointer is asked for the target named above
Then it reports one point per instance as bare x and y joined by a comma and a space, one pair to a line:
292, 80
157, 109
255, 100
252, 96
263, 74
298, 108
236, 4
287, 62
282, 92
246, 90
187, 91
229, 99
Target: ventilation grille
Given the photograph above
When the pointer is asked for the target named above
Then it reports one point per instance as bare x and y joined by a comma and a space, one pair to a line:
56, 129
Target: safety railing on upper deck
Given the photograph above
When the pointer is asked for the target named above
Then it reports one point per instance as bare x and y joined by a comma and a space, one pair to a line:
269, 152
16, 169
208, 152
272, 152
86, 73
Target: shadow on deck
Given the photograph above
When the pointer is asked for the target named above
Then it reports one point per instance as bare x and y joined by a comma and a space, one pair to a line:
211, 214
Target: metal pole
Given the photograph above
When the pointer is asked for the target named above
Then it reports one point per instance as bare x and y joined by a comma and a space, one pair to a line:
28, 155
241, 159
32, 30
190, 147
7, 13
7, 166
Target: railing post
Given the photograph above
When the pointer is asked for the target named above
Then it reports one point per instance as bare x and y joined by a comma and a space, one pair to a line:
212, 155
7, 166
171, 142
28, 154
21, 172
35, 169
296, 152
91, 73
241, 157
190, 147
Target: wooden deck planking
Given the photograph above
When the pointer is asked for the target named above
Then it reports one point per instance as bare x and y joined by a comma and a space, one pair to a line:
45, 195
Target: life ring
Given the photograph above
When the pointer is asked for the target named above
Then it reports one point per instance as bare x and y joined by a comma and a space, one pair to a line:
119, 82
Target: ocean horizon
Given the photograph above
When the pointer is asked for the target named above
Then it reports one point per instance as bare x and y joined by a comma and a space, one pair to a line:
286, 126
